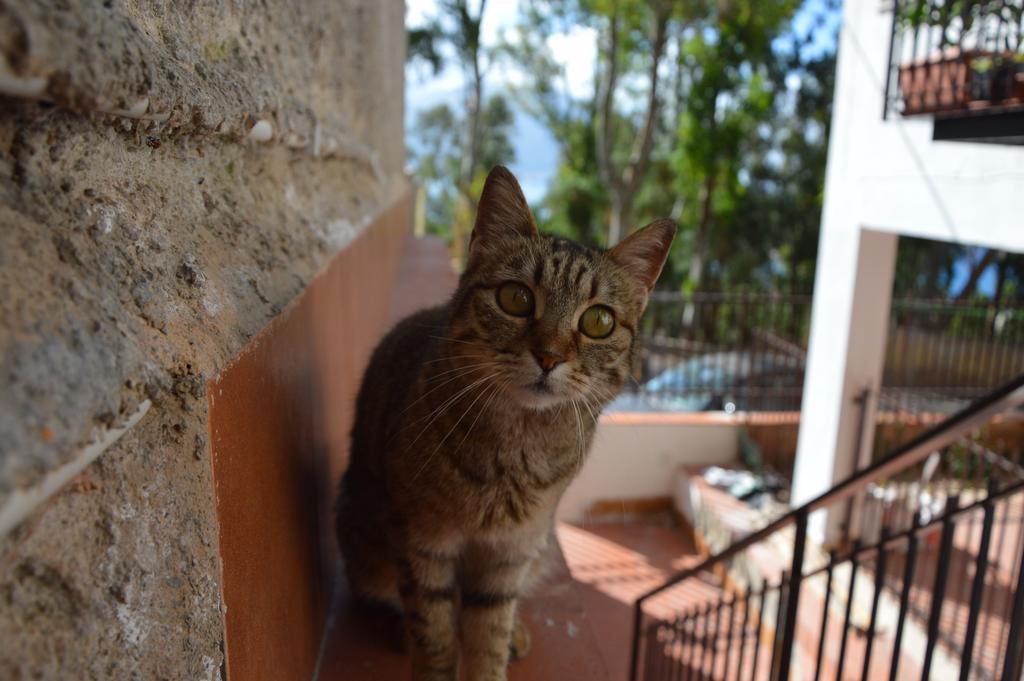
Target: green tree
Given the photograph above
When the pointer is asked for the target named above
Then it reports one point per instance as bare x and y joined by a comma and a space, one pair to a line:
625, 139
454, 149
691, 117
576, 204
439, 154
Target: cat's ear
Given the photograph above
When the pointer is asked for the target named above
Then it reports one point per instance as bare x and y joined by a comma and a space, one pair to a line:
643, 252
502, 210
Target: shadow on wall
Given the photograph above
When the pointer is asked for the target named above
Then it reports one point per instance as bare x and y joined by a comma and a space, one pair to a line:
279, 421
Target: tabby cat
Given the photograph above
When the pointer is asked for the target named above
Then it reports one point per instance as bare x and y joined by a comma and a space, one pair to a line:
472, 419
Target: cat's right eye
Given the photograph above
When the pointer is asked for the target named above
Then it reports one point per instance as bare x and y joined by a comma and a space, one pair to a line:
515, 299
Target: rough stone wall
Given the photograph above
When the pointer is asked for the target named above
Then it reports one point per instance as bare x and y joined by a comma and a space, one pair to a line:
171, 176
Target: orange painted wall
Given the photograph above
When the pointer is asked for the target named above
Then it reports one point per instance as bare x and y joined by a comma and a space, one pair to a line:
279, 419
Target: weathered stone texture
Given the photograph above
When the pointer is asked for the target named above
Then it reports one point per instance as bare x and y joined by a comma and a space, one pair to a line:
138, 252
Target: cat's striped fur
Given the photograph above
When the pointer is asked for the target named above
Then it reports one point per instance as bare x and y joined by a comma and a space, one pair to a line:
471, 422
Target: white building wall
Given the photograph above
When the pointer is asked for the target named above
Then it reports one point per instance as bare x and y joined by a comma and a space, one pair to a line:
634, 456
884, 178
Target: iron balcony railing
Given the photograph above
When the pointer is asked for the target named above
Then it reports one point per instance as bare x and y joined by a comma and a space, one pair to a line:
950, 57
938, 591
746, 352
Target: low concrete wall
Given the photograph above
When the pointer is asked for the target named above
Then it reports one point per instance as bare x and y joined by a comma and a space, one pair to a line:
634, 455
279, 418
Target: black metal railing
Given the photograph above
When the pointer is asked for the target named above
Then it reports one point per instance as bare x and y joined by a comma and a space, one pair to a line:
955, 56
746, 352
940, 350
936, 587
714, 351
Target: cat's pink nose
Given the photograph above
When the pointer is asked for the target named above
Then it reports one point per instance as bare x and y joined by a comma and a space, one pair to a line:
547, 360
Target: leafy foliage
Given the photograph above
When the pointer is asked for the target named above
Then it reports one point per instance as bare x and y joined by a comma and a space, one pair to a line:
438, 155
738, 135
739, 143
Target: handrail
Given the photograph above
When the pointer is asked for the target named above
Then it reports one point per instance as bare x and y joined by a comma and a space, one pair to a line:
1006, 396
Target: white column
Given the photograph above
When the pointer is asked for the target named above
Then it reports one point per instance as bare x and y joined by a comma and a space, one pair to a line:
849, 323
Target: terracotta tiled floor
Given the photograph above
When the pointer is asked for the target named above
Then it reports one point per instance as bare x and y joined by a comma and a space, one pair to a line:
363, 646
426, 277
612, 564
581, 620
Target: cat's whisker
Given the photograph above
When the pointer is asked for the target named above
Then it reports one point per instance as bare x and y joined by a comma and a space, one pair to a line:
603, 398
451, 430
451, 340
497, 387
586, 403
445, 406
582, 437
463, 374
587, 388
433, 414
460, 369
451, 357
601, 392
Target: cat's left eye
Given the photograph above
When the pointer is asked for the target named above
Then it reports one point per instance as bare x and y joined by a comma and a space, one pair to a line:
515, 299
597, 322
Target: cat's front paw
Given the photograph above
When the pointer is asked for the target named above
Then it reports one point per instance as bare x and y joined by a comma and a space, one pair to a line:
519, 644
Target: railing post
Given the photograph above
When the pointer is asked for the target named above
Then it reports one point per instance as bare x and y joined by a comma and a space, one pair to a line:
796, 575
760, 626
909, 565
854, 565
880, 567
939, 591
1014, 659
634, 663
824, 615
978, 587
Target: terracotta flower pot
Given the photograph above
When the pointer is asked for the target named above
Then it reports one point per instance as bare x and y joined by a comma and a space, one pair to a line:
941, 82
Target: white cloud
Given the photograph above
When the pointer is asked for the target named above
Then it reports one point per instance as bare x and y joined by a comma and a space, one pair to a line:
535, 150
419, 11
577, 51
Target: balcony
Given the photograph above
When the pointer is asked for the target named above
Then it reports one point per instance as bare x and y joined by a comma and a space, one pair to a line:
963, 64
746, 354
933, 589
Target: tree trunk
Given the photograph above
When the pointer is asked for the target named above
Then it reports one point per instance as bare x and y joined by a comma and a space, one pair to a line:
623, 184
700, 241
621, 218
471, 151
606, 108
474, 101
979, 269
997, 296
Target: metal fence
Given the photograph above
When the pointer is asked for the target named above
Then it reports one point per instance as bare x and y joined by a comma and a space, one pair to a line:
712, 351
934, 589
940, 350
740, 352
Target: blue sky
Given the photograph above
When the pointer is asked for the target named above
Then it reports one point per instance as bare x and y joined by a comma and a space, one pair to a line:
536, 150
962, 270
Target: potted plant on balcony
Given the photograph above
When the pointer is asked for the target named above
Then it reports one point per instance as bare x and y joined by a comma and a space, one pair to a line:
982, 77
961, 60
1013, 78
997, 79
